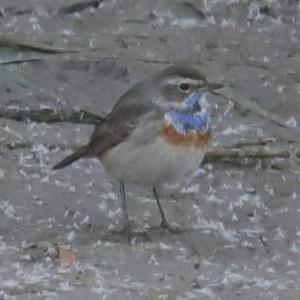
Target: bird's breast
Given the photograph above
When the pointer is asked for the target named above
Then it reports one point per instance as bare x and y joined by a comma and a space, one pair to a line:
189, 139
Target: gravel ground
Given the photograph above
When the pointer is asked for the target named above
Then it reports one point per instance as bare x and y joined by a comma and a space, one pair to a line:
241, 222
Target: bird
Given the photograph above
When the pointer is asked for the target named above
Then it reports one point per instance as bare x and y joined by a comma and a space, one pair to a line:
156, 133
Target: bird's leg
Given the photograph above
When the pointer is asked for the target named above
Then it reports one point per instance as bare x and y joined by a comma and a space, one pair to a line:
164, 222
127, 227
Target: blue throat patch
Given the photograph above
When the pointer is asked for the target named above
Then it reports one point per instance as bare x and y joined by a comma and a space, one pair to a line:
191, 119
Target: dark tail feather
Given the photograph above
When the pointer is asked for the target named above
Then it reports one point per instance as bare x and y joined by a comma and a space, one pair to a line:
71, 158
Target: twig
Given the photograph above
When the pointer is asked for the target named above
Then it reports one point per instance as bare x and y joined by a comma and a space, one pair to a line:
8, 42
49, 116
17, 145
20, 61
80, 6
247, 104
260, 142
254, 152
155, 61
264, 243
30, 289
249, 63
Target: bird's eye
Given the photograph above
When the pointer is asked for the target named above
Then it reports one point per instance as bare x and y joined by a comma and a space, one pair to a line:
184, 87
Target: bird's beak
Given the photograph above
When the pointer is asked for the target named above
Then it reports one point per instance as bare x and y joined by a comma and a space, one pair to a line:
214, 86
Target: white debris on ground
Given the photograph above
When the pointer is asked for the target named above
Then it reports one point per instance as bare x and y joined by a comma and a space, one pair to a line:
59, 234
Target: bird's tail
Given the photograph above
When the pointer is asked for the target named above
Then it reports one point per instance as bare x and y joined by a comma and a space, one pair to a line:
71, 158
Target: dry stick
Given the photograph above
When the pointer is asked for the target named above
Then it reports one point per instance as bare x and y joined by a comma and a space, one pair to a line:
21, 61
238, 99
17, 145
42, 58
255, 152
248, 63
260, 142
30, 289
50, 116
80, 6
10, 42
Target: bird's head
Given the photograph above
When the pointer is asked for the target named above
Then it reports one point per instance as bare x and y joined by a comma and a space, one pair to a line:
176, 84
182, 93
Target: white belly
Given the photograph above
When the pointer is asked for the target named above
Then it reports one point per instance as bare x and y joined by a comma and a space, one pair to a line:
152, 164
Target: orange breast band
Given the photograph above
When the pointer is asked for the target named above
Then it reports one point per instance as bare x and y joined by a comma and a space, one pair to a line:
190, 139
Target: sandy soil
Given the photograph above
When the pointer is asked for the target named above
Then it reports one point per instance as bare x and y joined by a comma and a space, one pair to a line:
241, 237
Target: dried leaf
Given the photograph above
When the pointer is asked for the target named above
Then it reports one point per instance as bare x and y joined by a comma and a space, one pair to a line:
66, 256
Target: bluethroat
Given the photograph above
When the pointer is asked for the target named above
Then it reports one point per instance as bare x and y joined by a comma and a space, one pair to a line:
156, 133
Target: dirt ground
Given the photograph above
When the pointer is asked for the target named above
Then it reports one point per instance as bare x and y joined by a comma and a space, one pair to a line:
241, 222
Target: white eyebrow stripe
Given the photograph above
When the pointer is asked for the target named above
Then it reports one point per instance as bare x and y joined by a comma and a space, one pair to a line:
176, 81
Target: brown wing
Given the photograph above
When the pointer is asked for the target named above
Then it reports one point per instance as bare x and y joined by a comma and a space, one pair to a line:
119, 124
133, 107
102, 139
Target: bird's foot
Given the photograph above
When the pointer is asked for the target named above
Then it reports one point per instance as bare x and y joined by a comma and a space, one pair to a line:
134, 237
127, 230
165, 225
